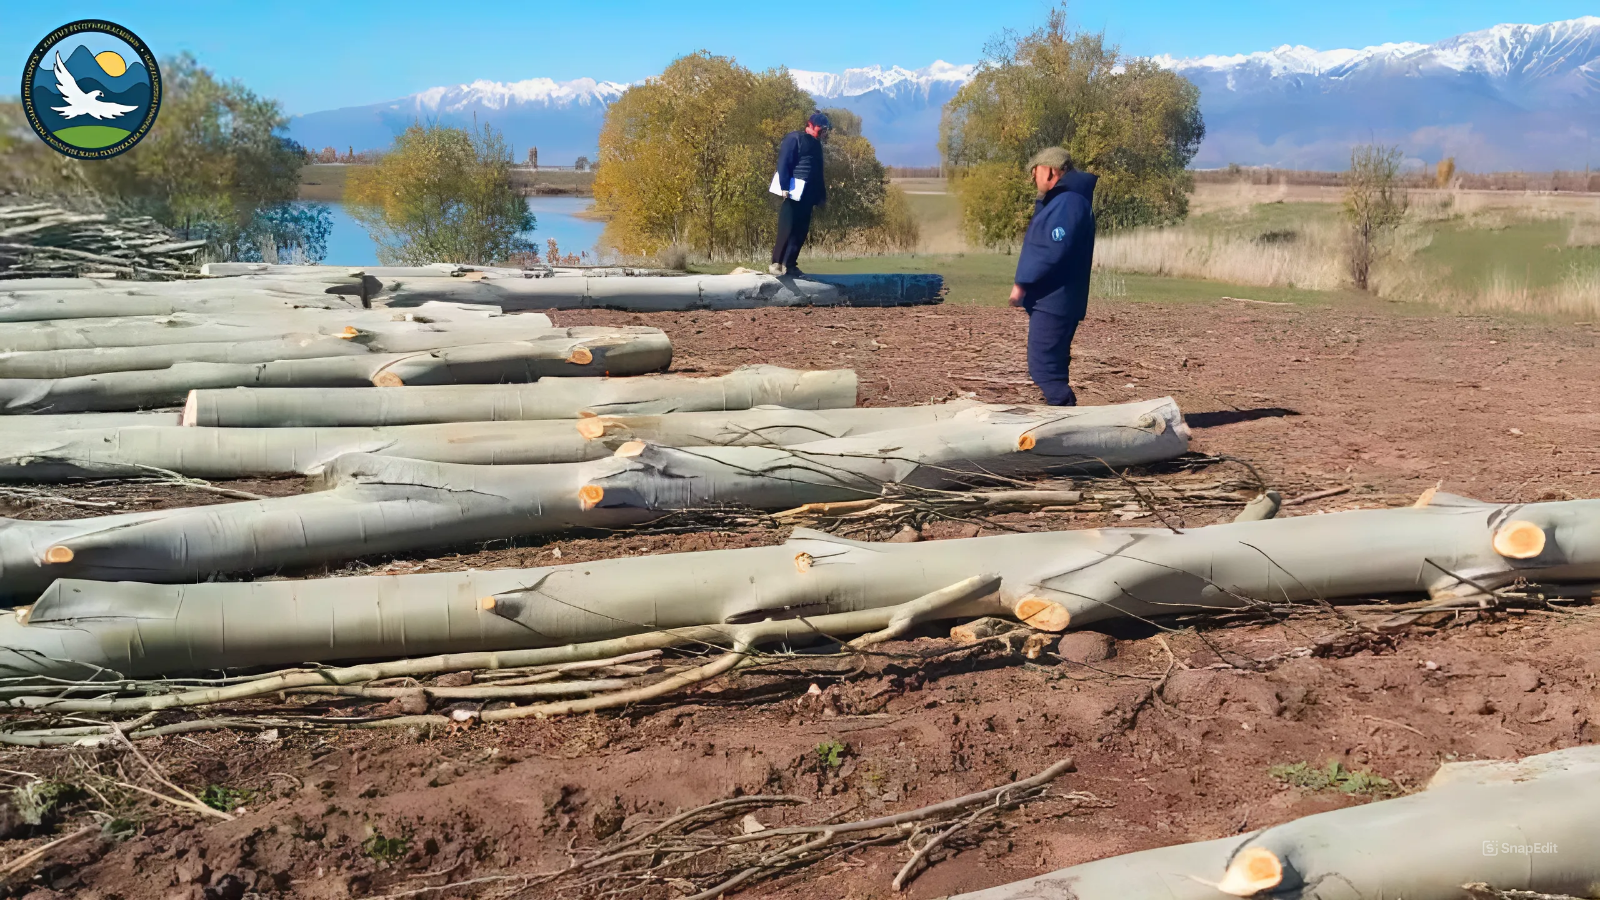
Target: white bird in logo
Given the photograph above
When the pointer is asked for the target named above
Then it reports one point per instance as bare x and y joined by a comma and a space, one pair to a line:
79, 103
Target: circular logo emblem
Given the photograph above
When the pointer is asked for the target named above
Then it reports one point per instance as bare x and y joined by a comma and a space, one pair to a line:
1059, 234
91, 89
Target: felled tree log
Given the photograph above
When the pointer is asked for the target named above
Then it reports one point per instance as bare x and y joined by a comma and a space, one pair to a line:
243, 452
382, 505
350, 341
564, 352
35, 300
435, 270
1526, 825
680, 292
189, 328
235, 269
566, 398
1050, 580
17, 426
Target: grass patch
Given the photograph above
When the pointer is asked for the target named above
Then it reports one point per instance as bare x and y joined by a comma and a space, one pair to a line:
984, 279
1534, 254
1333, 776
92, 137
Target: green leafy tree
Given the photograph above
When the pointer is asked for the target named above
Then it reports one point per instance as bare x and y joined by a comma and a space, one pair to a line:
1374, 205
686, 157
215, 165
442, 195
1126, 119
215, 158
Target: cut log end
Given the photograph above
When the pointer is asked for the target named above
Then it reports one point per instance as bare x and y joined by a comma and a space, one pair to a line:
630, 449
58, 554
802, 562
1034, 645
486, 604
1026, 442
23, 614
1253, 870
348, 332
191, 411
581, 356
590, 495
387, 379
1045, 615
591, 428
1519, 540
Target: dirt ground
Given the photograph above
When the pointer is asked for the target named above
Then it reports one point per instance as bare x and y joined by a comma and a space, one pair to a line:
1174, 735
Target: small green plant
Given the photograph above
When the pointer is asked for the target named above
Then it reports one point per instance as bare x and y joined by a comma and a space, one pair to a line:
38, 801
386, 849
831, 753
1333, 775
225, 798
120, 829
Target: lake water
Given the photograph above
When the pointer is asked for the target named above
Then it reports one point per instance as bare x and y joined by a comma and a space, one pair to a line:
350, 245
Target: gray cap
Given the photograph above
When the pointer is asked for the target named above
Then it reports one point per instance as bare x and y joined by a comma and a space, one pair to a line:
1051, 158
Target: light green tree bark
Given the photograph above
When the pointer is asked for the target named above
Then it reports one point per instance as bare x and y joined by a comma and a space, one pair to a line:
1051, 580
563, 398
563, 352
350, 342
34, 300
41, 455
645, 294
382, 505
189, 328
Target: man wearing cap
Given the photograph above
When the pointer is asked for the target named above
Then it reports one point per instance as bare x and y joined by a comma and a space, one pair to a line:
1052, 282
799, 171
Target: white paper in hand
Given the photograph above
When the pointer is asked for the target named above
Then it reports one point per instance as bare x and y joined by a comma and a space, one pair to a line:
793, 194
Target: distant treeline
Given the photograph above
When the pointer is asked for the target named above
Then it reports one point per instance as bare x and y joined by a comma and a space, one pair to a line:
1475, 181
914, 171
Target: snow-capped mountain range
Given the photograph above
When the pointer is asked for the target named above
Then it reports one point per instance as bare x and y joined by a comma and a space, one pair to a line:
1511, 96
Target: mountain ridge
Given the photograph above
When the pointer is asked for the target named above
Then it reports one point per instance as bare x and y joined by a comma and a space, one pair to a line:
1508, 96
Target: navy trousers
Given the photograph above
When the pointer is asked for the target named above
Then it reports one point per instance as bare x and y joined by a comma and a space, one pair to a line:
1050, 355
794, 226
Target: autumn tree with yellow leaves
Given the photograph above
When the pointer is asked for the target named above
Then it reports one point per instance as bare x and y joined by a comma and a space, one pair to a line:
442, 195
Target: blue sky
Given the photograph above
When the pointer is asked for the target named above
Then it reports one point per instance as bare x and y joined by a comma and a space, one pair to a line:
314, 56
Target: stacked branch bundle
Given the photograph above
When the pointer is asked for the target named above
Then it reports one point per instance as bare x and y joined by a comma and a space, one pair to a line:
41, 240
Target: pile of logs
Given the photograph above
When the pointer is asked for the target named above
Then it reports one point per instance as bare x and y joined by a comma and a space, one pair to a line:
39, 240
424, 417
1452, 549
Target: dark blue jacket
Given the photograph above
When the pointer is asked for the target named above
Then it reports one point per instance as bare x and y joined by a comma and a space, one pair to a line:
800, 156
1058, 249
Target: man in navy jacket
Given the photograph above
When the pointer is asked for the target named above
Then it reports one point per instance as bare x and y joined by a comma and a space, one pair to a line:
1052, 281
799, 157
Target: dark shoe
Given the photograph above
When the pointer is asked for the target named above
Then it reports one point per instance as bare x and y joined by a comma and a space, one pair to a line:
794, 272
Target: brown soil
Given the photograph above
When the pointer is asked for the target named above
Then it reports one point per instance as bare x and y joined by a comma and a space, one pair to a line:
1177, 732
